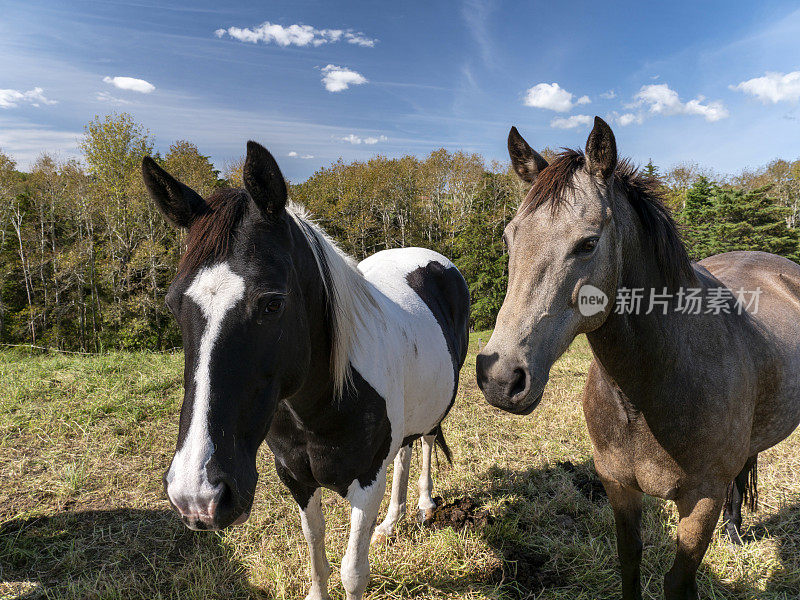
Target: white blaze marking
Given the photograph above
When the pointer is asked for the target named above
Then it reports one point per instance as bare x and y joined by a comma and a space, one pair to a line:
215, 290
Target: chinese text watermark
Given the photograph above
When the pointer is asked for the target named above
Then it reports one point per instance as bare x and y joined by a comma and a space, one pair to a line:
687, 301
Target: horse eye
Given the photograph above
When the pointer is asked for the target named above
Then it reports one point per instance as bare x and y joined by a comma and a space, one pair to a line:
274, 305
586, 246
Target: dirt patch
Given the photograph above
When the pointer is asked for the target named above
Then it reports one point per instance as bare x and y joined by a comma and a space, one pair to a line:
524, 572
588, 485
458, 514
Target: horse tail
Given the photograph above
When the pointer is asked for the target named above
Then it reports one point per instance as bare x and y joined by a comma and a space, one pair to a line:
750, 496
442, 443
750, 487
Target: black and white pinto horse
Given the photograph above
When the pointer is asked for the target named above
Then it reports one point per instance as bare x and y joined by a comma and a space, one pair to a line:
340, 368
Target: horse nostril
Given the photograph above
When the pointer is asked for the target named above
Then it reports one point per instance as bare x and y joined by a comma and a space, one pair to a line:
519, 383
222, 499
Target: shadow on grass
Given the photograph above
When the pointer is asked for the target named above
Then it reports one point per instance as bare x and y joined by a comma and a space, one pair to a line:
120, 553
784, 526
552, 540
540, 511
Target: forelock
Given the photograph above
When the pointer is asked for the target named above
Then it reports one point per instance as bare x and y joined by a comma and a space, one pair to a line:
212, 233
553, 183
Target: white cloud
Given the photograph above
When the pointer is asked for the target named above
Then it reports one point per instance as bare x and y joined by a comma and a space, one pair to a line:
660, 99
713, 111
336, 79
609, 95
628, 118
12, 98
131, 84
106, 97
772, 87
294, 154
359, 39
295, 35
570, 122
369, 141
552, 97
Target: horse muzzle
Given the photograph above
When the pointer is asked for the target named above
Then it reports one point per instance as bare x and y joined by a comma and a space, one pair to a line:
507, 386
207, 506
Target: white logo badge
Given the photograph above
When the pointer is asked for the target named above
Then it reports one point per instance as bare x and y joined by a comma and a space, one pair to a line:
591, 300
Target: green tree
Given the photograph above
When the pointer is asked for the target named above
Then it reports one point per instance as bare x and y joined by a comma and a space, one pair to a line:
137, 253
679, 179
15, 292
699, 216
651, 171
184, 161
720, 220
753, 221
480, 253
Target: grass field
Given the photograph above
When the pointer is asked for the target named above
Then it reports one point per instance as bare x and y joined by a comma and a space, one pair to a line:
84, 442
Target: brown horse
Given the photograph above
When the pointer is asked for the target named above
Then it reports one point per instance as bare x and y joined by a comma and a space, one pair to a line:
681, 395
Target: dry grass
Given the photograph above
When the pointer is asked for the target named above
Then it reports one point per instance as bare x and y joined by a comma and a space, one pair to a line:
84, 443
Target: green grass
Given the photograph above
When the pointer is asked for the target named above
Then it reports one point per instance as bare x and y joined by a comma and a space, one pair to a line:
84, 442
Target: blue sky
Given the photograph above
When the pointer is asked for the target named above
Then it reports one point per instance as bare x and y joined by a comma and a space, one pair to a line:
712, 82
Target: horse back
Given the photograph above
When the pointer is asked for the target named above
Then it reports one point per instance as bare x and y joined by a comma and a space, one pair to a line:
426, 300
776, 315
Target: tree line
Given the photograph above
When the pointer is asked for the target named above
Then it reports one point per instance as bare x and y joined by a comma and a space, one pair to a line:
85, 256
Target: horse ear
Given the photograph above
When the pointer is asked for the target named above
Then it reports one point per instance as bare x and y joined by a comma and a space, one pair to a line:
526, 161
263, 180
601, 150
179, 203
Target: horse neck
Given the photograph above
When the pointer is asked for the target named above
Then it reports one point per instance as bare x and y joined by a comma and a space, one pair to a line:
639, 349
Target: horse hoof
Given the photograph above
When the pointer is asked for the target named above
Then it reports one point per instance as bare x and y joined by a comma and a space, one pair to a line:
379, 539
733, 534
425, 515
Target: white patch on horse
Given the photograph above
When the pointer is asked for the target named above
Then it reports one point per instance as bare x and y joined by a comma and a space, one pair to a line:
417, 335
216, 290
365, 502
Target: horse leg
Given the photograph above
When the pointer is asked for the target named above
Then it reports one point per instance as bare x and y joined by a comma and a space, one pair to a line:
309, 501
397, 505
365, 503
732, 514
699, 514
627, 506
313, 522
426, 505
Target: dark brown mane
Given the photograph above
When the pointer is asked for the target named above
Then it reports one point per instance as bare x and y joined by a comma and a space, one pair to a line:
210, 234
645, 197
